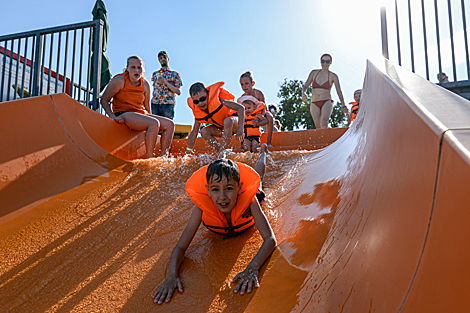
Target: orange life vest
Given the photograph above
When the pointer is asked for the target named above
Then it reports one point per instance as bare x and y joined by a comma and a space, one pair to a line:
354, 110
217, 111
250, 129
212, 218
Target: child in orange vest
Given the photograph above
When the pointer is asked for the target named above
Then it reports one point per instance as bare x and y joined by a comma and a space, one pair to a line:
254, 118
227, 196
215, 105
247, 82
355, 106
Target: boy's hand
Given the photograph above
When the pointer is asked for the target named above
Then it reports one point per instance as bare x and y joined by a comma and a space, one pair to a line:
248, 278
165, 292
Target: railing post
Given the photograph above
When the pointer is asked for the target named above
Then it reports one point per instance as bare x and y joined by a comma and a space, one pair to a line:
37, 65
383, 19
97, 63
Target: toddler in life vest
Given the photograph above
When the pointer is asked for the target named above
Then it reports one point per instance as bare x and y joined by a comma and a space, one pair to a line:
254, 118
227, 195
354, 106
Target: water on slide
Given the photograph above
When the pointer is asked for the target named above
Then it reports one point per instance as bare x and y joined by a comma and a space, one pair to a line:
106, 245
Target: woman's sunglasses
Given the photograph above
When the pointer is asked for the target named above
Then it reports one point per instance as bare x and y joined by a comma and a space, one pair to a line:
202, 99
326, 61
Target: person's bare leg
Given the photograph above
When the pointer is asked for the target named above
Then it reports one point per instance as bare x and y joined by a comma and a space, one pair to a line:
254, 146
246, 145
326, 111
260, 167
270, 128
167, 127
316, 114
209, 133
145, 123
230, 127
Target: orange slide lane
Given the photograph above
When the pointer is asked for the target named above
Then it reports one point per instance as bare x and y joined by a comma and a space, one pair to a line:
375, 221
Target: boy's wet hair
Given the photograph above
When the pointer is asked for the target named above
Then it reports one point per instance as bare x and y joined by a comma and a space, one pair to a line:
197, 88
223, 168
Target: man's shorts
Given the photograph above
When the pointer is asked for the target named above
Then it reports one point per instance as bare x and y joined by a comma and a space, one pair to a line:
165, 110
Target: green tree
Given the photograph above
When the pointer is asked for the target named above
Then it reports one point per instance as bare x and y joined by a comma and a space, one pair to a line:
295, 114
337, 118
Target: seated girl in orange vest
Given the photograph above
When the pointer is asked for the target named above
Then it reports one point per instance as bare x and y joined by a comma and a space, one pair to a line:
215, 105
254, 117
227, 196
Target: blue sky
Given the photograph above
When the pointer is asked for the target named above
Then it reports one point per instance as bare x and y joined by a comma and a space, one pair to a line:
212, 41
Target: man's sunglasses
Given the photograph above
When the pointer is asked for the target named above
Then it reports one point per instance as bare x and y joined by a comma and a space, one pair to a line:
202, 99
326, 61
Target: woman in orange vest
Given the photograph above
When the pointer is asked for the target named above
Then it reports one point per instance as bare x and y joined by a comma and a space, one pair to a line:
321, 106
355, 106
215, 105
130, 92
254, 117
226, 195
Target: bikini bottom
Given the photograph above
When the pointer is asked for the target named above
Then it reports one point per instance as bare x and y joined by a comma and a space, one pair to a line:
320, 103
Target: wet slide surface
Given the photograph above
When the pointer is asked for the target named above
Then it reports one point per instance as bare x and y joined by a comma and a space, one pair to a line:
374, 222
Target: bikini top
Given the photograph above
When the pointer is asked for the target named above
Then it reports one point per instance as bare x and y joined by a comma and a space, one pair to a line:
325, 85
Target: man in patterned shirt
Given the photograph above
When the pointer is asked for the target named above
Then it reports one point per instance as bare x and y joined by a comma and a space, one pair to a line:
166, 83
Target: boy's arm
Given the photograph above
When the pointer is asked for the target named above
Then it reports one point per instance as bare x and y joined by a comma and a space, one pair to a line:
249, 276
165, 292
192, 136
241, 115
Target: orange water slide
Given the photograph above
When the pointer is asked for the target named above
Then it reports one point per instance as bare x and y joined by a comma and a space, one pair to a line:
375, 221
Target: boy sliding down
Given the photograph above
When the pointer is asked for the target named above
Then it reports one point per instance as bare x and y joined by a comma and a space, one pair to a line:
227, 196
215, 105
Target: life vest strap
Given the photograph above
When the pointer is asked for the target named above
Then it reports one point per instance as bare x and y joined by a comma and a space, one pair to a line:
228, 229
250, 126
210, 115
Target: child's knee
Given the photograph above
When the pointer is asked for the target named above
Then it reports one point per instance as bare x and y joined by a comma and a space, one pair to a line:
228, 122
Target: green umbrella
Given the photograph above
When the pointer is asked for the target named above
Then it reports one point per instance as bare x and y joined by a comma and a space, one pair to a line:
99, 13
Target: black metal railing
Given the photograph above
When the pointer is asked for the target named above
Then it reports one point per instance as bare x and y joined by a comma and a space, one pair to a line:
437, 21
53, 60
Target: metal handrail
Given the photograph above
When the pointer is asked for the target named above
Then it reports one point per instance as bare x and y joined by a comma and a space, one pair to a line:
451, 23
41, 76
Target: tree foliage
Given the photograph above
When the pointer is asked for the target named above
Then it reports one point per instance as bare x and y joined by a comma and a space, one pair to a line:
337, 118
295, 114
